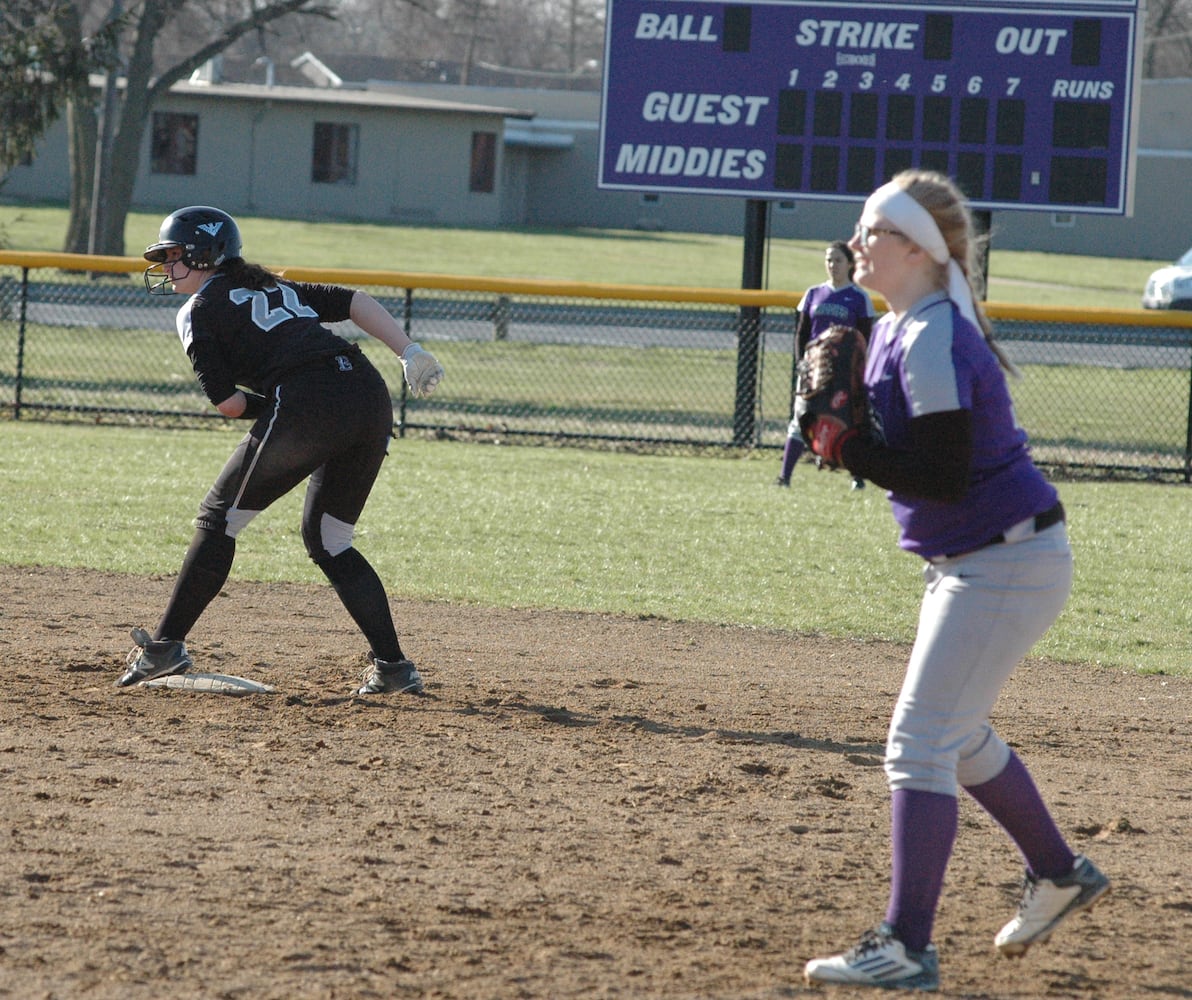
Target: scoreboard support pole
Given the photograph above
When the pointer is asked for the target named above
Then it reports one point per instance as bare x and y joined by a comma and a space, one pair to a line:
749, 324
982, 227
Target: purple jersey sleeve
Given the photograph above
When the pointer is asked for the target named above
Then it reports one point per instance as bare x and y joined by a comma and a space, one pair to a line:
932, 360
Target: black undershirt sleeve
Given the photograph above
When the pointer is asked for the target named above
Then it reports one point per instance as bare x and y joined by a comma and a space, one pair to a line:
802, 333
936, 467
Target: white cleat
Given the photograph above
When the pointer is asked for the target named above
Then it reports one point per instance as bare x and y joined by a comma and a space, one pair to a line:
1046, 903
878, 959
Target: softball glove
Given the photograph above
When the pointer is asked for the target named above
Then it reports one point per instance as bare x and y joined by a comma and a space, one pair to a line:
830, 401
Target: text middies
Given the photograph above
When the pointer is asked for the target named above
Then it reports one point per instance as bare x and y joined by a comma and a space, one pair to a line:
690, 161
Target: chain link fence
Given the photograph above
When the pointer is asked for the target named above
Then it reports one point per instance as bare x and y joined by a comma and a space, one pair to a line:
618, 366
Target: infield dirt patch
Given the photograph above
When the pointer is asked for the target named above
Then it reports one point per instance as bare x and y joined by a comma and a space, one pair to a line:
581, 806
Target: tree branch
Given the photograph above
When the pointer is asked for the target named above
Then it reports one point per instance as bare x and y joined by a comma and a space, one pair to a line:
258, 19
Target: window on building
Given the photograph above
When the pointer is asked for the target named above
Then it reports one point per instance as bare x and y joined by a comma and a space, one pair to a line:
1063, 220
174, 142
334, 158
483, 175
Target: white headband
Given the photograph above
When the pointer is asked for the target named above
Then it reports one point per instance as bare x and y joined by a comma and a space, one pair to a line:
892, 202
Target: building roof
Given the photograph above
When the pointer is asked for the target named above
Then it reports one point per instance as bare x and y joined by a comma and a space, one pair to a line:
342, 96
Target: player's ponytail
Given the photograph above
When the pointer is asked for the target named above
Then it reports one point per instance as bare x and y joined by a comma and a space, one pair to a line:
940, 196
245, 275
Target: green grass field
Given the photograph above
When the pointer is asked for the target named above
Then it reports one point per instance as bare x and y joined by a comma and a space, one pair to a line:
680, 537
677, 537
623, 257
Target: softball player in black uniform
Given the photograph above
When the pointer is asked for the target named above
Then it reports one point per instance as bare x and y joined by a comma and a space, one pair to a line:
320, 411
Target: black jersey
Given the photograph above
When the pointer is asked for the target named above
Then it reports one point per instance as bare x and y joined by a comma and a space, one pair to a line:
237, 336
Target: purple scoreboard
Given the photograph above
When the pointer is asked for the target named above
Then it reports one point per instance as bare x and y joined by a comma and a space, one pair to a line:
1027, 106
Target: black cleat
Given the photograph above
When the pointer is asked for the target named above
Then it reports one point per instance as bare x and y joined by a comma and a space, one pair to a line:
153, 658
399, 677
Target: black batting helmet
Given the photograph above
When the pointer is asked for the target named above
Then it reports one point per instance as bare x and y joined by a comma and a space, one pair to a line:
200, 236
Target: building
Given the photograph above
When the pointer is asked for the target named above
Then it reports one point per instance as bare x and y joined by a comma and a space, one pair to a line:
310, 152
446, 154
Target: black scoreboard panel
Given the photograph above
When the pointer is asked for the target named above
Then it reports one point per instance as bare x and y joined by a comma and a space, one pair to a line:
1025, 106
989, 139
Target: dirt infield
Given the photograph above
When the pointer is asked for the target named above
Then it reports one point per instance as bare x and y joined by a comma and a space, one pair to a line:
581, 806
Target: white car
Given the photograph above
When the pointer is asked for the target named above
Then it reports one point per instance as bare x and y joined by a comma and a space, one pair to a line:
1170, 287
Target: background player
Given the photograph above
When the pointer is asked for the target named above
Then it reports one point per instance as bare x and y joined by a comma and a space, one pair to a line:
836, 300
998, 567
320, 411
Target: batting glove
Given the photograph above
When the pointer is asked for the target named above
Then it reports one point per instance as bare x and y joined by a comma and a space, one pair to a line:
423, 372
826, 437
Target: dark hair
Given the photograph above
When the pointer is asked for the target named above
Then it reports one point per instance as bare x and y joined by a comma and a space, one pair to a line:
248, 275
845, 249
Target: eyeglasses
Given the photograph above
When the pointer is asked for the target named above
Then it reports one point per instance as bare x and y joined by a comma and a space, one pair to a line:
866, 233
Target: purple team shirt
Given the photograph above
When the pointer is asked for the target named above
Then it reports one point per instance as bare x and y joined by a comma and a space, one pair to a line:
932, 360
826, 305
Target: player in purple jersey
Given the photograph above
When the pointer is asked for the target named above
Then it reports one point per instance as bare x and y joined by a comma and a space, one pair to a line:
320, 411
836, 300
998, 570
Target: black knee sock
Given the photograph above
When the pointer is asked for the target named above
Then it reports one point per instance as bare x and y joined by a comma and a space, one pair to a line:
204, 572
363, 594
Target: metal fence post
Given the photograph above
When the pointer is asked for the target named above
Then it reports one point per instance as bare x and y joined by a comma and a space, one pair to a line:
407, 322
22, 316
1188, 430
501, 318
749, 325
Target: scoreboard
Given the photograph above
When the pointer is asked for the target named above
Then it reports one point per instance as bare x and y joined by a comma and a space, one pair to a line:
1026, 106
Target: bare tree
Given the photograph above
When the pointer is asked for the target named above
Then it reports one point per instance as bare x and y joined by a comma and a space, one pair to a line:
555, 36
382, 28
128, 110
1168, 39
533, 42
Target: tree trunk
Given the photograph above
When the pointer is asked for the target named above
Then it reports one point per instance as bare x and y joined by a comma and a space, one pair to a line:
83, 133
131, 117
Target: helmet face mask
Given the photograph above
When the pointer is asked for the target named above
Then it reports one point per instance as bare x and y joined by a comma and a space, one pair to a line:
199, 236
158, 278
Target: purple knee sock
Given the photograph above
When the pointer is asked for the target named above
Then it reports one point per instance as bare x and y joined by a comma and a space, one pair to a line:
922, 832
1013, 800
790, 455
